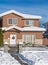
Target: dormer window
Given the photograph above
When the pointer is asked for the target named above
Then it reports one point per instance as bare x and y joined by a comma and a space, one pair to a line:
29, 22
12, 21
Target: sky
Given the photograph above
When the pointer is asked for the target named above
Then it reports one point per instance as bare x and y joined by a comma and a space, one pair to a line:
33, 7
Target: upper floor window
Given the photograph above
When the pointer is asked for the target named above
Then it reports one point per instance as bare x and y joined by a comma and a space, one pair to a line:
29, 22
12, 21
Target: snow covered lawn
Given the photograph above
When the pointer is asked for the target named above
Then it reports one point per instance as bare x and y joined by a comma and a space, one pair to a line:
38, 57
35, 48
7, 59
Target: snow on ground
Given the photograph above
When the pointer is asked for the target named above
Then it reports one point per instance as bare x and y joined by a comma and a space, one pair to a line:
35, 48
38, 57
7, 59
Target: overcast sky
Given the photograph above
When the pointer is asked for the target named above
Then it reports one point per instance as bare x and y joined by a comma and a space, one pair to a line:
34, 7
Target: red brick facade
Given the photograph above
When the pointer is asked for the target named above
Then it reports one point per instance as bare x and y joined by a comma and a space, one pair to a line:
20, 24
20, 20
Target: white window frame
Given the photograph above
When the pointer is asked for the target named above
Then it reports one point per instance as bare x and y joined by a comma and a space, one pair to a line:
12, 21
31, 23
24, 39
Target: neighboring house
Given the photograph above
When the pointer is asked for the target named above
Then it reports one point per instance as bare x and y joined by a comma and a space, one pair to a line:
18, 27
45, 34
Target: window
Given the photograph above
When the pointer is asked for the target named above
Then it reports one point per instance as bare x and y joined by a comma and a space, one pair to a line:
12, 21
29, 22
29, 38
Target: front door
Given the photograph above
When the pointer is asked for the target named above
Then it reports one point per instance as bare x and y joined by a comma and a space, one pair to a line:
12, 39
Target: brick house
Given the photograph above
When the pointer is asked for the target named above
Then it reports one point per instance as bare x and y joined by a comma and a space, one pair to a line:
18, 27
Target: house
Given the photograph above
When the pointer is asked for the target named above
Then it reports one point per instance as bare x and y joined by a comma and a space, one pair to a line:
18, 27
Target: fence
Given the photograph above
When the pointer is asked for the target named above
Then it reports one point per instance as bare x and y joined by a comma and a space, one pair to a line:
45, 41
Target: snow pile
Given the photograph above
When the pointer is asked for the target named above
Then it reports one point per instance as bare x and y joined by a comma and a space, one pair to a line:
38, 57
7, 59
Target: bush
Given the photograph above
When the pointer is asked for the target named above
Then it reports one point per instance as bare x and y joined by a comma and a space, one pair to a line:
28, 43
1, 38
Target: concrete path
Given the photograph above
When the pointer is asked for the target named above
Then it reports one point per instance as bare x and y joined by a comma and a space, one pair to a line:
19, 59
13, 54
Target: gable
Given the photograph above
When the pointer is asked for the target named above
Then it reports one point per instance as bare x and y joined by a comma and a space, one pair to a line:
12, 15
21, 17
13, 30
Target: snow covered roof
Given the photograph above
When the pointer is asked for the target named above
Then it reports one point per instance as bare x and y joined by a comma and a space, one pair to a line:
11, 27
31, 28
26, 16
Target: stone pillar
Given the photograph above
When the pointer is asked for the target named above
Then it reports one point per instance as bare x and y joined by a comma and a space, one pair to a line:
20, 47
6, 47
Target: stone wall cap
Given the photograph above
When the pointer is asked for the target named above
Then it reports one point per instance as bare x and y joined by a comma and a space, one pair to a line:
20, 42
5, 42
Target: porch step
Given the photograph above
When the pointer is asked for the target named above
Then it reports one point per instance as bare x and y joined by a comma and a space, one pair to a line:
14, 48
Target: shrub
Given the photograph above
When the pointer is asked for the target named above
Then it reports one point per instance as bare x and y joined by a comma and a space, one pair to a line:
27, 43
1, 38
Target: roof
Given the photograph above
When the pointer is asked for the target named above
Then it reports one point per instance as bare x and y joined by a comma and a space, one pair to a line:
26, 16
31, 28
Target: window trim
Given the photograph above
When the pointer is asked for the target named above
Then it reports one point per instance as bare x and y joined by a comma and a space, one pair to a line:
31, 37
29, 23
12, 18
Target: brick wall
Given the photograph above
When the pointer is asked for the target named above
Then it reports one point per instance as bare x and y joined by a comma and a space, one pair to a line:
45, 41
20, 20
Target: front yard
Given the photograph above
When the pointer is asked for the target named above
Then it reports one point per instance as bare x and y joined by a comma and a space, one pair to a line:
35, 48
36, 57
7, 59
32, 55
